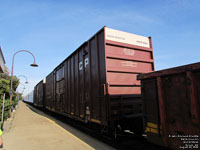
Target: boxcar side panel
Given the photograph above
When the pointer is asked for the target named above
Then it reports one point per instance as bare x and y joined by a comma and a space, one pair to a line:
124, 61
151, 111
102, 71
69, 85
97, 82
175, 91
127, 55
39, 94
72, 99
81, 83
76, 85
87, 97
84, 82
49, 96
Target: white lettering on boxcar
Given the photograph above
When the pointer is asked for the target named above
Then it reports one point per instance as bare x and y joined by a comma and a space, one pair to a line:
86, 62
129, 52
127, 38
129, 64
80, 65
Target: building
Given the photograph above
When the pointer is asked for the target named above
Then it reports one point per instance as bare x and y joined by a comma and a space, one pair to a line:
2, 62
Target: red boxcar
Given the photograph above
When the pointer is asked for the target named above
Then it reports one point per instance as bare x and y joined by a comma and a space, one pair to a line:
172, 106
97, 82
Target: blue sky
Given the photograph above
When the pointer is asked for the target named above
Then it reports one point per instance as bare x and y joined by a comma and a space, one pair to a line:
53, 29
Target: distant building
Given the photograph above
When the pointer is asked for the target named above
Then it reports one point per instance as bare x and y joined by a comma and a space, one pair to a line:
2, 62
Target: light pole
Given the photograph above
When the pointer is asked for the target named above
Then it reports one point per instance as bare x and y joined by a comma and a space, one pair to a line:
11, 80
24, 77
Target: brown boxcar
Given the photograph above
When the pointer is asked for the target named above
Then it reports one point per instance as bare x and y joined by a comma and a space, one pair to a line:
97, 82
39, 94
49, 101
172, 106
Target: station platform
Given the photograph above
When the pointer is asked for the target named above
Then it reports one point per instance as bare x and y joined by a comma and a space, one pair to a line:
31, 129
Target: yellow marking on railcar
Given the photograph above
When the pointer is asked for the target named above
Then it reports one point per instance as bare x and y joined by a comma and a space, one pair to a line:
152, 125
96, 121
152, 130
148, 129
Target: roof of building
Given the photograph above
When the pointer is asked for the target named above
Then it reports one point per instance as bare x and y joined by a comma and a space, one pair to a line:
2, 55
2, 62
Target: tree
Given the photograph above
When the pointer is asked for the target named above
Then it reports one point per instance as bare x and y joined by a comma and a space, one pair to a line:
5, 84
5, 88
6, 70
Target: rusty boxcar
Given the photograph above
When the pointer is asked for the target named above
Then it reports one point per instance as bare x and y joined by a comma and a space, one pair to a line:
39, 94
97, 82
172, 106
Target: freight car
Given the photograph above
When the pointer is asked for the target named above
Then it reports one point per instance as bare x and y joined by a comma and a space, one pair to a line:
97, 83
171, 103
29, 98
39, 94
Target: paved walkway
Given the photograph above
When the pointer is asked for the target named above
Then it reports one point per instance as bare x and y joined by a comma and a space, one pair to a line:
32, 131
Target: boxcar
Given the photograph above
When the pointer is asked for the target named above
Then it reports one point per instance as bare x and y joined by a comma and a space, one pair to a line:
29, 98
39, 94
49, 92
172, 106
97, 82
